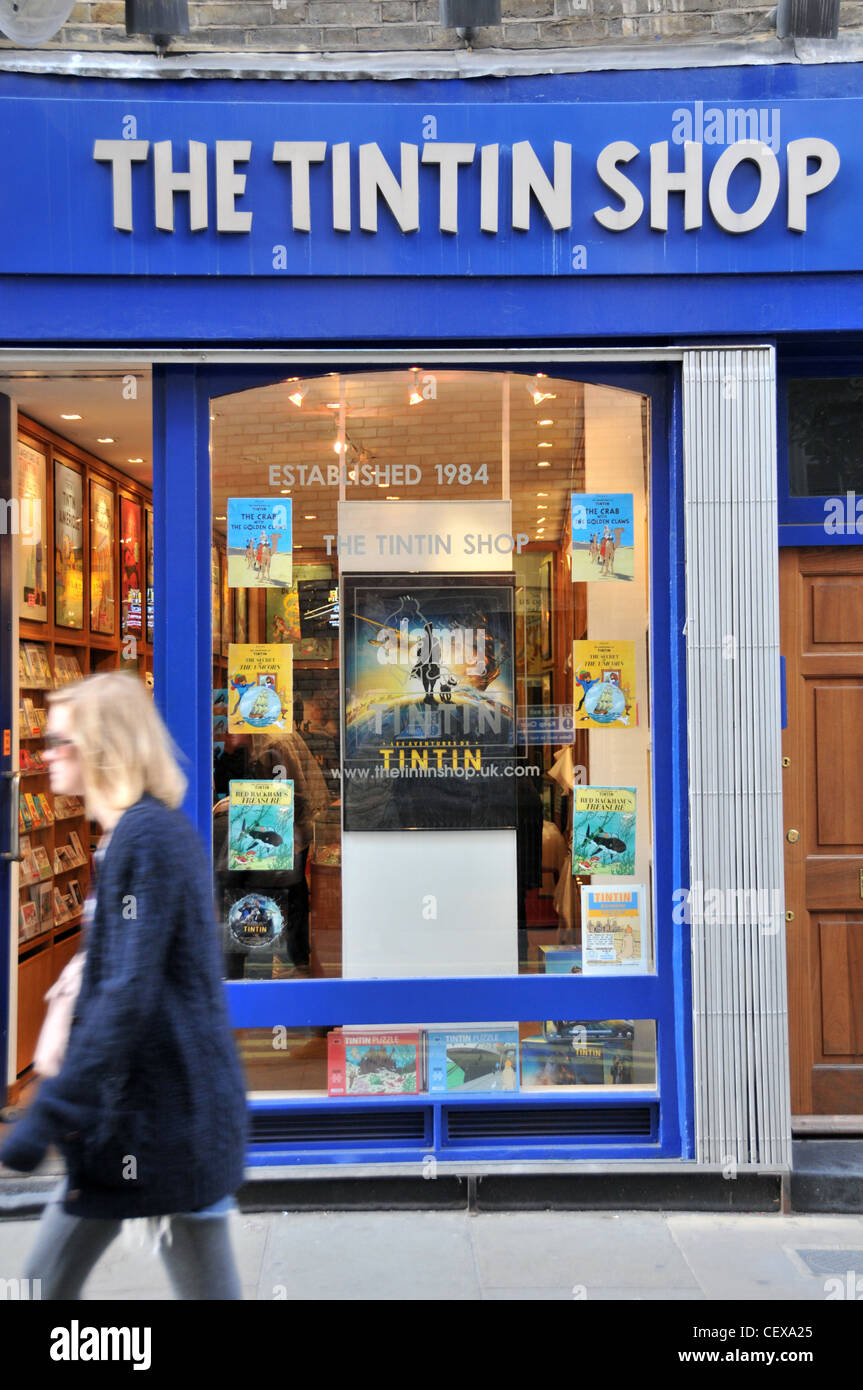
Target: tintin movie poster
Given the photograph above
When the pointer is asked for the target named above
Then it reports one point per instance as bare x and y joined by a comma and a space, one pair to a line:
429, 691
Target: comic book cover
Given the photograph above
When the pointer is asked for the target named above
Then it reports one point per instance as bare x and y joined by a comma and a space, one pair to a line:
560, 1061
473, 1059
259, 543
42, 862
603, 830
261, 830
373, 1063
604, 674
429, 691
28, 921
260, 687
46, 904
579, 1054
612, 930
602, 537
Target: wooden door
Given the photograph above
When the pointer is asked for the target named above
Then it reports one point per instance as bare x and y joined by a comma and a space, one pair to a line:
821, 611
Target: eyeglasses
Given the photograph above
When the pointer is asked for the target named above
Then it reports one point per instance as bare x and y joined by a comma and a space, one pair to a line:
54, 741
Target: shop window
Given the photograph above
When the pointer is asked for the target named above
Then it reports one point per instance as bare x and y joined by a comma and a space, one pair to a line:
443, 1060
431, 704
825, 435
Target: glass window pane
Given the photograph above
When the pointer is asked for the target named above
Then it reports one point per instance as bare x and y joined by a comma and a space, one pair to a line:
451, 1060
430, 696
825, 436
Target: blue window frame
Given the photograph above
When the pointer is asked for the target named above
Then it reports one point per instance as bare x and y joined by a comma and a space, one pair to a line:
652, 1124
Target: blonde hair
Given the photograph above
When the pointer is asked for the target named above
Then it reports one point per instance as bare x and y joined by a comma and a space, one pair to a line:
124, 747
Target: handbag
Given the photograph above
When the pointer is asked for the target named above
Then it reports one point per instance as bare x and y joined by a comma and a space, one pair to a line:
55, 1030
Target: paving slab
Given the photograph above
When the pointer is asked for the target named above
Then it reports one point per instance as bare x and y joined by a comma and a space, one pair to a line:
563, 1249
400, 1255
751, 1257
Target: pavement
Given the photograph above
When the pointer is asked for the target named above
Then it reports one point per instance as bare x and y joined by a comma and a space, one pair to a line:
500, 1256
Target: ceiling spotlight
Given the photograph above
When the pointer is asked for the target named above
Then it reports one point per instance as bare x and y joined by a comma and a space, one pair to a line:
545, 422
545, 445
543, 463
107, 439
297, 398
536, 393
134, 460
310, 516
71, 417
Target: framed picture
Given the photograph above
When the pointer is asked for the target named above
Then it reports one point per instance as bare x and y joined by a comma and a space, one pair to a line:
283, 614
227, 616
314, 649
131, 567
32, 534
545, 577
68, 546
241, 615
216, 599
102, 591
149, 519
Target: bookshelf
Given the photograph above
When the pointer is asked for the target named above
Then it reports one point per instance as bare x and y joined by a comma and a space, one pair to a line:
51, 880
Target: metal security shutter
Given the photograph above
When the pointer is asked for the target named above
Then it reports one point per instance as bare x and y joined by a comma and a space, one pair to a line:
736, 903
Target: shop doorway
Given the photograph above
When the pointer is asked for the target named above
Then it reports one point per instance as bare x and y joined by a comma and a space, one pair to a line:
821, 608
76, 589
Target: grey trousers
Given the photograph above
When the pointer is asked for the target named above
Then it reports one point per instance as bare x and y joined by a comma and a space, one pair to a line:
198, 1258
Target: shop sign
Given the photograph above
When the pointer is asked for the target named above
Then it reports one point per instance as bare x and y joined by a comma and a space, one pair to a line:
156, 186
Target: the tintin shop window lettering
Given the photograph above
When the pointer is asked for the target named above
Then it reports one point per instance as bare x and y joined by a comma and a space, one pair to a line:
431, 719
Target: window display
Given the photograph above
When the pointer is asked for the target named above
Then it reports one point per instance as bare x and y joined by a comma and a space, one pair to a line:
453, 1062
435, 754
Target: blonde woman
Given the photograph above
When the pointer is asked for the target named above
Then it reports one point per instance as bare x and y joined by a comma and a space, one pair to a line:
148, 1107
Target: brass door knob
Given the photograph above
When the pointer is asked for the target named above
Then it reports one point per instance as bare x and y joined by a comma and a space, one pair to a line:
792, 836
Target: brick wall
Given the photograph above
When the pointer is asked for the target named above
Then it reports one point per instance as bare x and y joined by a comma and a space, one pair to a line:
291, 26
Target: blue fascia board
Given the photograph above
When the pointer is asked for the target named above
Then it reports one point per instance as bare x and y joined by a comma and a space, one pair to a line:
483, 999
246, 314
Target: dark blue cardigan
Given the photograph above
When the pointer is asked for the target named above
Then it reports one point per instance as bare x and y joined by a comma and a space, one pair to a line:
149, 1108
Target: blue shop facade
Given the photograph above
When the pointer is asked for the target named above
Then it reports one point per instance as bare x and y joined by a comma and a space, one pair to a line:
483, 410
